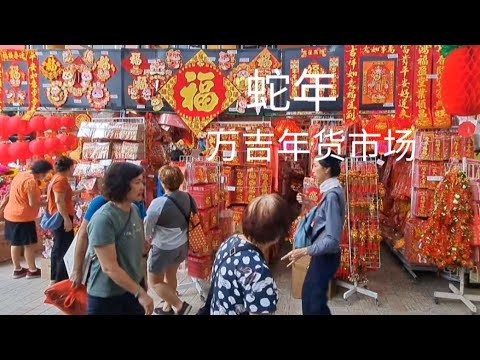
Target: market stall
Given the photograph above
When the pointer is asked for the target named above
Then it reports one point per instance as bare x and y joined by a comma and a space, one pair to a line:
251, 122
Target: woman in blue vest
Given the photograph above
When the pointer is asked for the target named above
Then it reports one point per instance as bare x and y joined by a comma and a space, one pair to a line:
325, 249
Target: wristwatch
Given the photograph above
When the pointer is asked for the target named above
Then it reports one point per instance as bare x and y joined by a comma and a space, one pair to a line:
137, 294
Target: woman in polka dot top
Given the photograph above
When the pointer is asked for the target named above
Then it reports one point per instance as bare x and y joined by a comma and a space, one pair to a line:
242, 281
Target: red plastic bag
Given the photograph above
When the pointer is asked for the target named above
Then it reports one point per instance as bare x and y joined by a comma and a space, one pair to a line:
72, 301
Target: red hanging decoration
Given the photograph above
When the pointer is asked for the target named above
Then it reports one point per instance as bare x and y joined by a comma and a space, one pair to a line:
37, 124
67, 122
37, 147
3, 124
15, 125
286, 124
52, 123
461, 81
447, 240
5, 157
52, 145
466, 129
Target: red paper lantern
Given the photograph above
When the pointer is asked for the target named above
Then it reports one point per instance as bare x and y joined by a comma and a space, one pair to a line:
3, 125
23, 151
37, 123
461, 81
52, 145
68, 122
63, 139
72, 142
13, 150
37, 147
15, 125
5, 157
52, 123
466, 129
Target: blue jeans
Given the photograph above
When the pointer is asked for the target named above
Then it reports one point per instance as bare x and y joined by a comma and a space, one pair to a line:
125, 304
322, 269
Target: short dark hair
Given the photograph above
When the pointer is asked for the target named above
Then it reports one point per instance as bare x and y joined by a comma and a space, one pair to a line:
266, 219
332, 163
41, 167
176, 154
63, 163
116, 183
171, 177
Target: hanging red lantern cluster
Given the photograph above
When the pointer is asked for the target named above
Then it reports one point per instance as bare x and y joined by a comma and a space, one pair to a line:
461, 81
23, 150
10, 125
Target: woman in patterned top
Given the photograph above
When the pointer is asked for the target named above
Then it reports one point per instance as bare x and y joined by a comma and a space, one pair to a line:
242, 281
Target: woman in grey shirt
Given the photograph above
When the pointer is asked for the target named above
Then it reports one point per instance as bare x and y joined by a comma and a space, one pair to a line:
166, 228
325, 249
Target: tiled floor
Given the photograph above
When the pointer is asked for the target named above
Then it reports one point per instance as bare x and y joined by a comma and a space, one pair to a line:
398, 293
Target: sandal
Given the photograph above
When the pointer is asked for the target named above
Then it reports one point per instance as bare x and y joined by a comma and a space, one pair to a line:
160, 311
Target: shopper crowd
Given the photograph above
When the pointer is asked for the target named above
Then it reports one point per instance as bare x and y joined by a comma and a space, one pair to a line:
129, 250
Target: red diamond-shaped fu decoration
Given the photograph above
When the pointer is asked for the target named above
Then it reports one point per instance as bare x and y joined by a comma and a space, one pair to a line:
135, 63
199, 92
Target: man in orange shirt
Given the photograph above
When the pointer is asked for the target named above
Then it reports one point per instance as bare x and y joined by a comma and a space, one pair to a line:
20, 213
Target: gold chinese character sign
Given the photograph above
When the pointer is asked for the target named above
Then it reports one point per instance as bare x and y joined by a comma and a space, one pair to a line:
199, 92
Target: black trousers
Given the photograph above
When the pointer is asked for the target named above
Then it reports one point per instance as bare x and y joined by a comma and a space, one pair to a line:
61, 242
125, 304
322, 269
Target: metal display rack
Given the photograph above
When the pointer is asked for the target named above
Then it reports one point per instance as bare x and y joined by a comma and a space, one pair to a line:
410, 267
372, 261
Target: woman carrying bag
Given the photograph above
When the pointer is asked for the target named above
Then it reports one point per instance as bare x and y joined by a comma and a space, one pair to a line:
326, 229
60, 201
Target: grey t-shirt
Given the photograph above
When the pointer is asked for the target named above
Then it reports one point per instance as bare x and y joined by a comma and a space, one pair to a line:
165, 223
104, 229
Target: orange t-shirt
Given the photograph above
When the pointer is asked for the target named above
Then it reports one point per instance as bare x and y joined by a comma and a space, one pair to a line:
18, 209
60, 185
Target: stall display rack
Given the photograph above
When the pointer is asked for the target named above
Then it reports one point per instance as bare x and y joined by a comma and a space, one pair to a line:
200, 285
472, 169
370, 254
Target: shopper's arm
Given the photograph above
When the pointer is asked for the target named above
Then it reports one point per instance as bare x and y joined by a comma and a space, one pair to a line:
329, 241
107, 256
33, 199
79, 257
153, 213
62, 209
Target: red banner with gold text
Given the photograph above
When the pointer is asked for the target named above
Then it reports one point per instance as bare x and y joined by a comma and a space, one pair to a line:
352, 84
441, 120
12, 74
422, 87
405, 87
